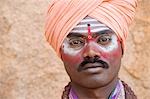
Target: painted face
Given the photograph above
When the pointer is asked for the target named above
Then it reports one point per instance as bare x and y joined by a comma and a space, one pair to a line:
91, 62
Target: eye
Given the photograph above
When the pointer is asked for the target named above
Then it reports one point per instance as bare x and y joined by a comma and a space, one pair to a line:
76, 43
104, 40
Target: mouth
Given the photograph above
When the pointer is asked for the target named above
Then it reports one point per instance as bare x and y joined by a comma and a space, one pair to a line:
92, 66
95, 67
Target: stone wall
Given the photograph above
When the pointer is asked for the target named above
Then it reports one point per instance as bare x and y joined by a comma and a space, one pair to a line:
30, 69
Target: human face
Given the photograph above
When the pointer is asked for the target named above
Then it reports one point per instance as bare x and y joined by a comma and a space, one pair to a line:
92, 63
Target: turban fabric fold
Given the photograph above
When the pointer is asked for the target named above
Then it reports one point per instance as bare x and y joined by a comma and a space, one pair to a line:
64, 15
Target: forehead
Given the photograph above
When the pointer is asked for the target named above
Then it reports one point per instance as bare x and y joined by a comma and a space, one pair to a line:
95, 26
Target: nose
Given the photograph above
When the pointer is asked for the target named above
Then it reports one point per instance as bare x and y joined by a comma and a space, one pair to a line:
91, 51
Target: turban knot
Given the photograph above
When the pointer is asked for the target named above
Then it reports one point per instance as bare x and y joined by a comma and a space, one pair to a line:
64, 15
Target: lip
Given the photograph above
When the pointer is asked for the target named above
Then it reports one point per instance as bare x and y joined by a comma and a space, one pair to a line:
92, 65
93, 68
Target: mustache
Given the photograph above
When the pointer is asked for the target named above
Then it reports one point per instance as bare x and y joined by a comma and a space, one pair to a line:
92, 60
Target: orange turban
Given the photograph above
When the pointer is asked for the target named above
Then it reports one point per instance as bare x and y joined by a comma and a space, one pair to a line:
64, 15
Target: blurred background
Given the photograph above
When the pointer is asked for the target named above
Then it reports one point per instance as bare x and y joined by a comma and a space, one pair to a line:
29, 67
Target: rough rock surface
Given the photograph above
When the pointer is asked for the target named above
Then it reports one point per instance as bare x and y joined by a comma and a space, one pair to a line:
30, 69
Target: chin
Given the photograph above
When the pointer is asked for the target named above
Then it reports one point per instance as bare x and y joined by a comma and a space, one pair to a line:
96, 82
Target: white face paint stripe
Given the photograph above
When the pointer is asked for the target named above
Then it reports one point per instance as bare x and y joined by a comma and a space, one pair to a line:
68, 50
92, 30
88, 20
112, 46
91, 25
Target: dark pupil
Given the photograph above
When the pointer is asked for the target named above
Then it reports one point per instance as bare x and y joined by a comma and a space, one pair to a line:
76, 42
104, 39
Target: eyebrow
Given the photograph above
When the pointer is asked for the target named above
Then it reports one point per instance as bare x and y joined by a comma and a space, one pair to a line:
74, 34
109, 31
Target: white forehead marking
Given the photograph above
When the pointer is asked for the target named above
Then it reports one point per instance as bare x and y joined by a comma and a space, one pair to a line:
92, 25
92, 30
95, 25
88, 19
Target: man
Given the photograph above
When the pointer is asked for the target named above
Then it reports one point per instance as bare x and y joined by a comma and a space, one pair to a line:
89, 36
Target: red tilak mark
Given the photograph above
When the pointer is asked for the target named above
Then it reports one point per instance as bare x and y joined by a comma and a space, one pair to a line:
89, 32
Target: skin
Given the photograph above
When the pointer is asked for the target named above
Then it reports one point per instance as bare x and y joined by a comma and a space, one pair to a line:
96, 83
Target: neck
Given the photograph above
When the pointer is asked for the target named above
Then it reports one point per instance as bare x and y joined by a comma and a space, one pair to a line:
94, 93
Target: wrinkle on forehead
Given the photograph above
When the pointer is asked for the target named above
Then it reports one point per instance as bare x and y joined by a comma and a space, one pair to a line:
95, 25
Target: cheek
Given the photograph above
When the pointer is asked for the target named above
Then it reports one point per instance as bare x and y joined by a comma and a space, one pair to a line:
113, 49
114, 56
71, 57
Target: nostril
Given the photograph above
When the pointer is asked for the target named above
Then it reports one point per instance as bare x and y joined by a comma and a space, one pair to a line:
96, 57
87, 58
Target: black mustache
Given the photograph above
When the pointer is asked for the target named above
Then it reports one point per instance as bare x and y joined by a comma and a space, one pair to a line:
92, 60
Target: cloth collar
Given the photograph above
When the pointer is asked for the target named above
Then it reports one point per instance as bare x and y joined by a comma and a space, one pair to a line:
118, 92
